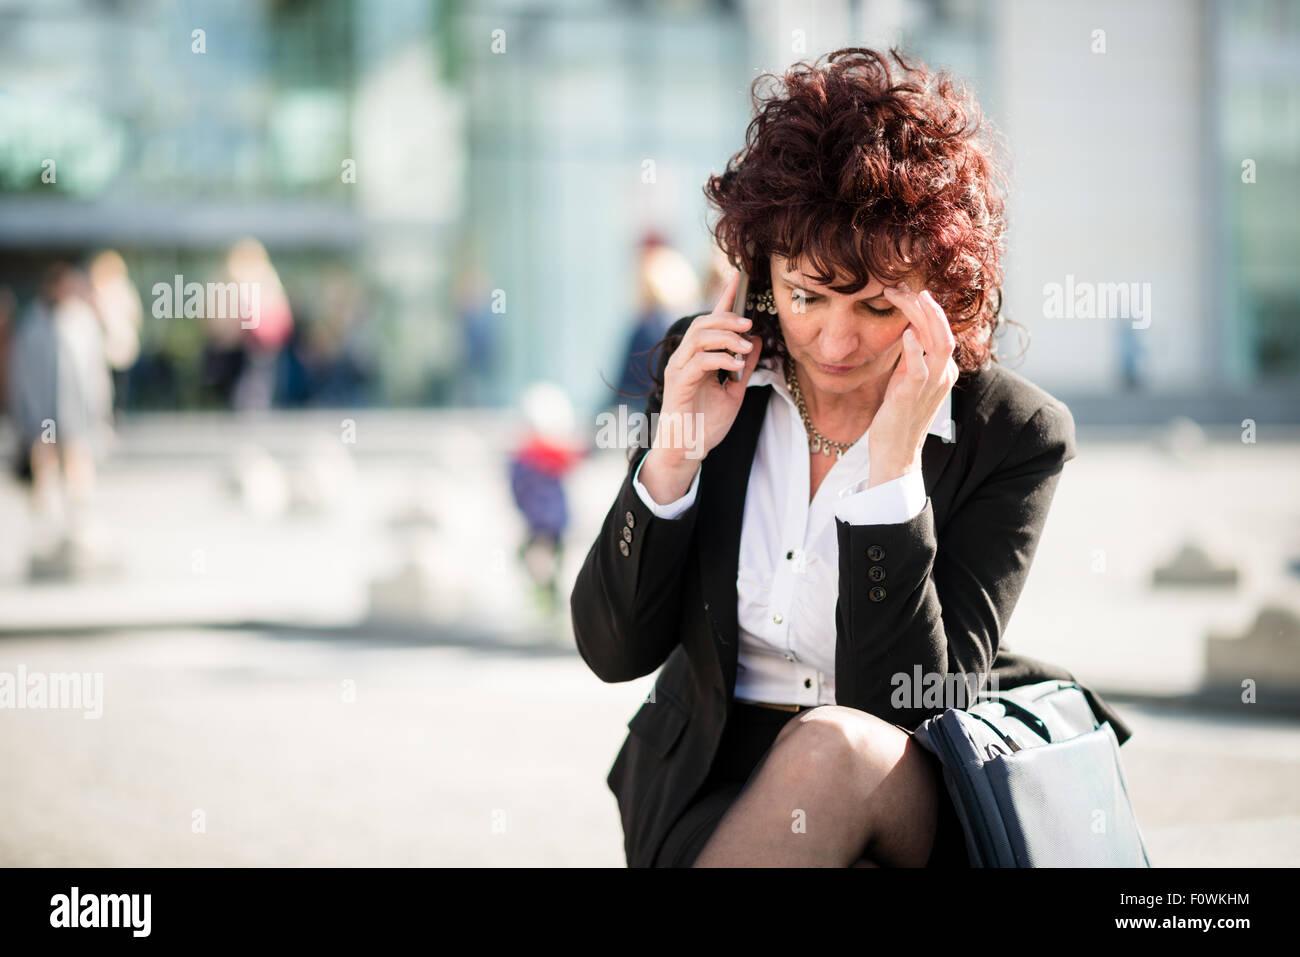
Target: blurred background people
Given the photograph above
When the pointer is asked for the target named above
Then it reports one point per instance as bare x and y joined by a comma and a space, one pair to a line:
223, 359
667, 289
61, 398
544, 455
117, 303
265, 320
480, 335
1132, 358
330, 361
716, 275
8, 321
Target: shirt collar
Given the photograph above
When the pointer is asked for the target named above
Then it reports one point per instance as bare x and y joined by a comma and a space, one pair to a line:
940, 426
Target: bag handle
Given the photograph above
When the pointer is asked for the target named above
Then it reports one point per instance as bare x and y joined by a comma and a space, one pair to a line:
1016, 710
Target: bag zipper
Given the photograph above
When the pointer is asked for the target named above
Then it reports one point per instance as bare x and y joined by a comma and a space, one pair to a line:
978, 826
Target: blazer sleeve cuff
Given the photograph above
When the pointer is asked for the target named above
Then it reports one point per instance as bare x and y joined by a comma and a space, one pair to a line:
672, 509
890, 503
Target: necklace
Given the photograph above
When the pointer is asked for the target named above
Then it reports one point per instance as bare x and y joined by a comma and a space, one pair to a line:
816, 441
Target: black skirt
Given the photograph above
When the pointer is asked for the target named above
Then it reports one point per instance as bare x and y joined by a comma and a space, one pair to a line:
750, 731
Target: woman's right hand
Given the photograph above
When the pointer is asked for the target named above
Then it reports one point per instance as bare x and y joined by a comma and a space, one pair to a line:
698, 410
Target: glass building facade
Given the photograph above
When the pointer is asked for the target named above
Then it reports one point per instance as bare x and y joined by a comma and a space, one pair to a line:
453, 192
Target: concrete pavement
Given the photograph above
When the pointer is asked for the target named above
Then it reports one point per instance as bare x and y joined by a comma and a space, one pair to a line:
266, 573
452, 755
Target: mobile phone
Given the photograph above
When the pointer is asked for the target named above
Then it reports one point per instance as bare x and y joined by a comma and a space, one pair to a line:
738, 307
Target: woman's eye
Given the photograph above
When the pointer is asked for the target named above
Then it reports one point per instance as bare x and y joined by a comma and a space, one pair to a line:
800, 296
880, 312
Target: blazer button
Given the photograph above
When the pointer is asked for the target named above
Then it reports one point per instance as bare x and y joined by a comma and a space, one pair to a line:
875, 553
622, 547
875, 573
627, 534
877, 593
630, 519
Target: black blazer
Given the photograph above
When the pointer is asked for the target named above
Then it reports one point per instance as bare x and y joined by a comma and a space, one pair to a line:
656, 591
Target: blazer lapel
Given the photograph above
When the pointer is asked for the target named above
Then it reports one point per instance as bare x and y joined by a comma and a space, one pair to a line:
934, 456
937, 451
722, 510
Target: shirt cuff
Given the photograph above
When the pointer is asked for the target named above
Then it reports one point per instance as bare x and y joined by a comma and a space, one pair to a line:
890, 503
672, 509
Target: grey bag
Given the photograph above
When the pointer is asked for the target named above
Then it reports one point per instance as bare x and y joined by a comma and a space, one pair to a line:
1036, 780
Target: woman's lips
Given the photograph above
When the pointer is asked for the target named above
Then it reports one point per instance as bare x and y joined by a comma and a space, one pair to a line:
835, 370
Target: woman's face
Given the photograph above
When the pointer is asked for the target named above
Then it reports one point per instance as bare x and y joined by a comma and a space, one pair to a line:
842, 341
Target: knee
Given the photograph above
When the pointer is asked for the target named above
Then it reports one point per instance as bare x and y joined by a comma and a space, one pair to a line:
841, 744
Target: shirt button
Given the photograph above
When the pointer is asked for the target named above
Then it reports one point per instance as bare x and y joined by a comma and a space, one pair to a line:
807, 682
630, 519
622, 547
875, 573
777, 618
875, 553
877, 593
627, 534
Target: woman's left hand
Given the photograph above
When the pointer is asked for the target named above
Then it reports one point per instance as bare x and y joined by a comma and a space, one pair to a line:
924, 375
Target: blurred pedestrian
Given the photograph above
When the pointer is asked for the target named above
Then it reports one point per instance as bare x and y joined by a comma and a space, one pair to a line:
542, 458
334, 347
717, 274
8, 322
480, 332
266, 321
1132, 358
667, 288
61, 399
117, 303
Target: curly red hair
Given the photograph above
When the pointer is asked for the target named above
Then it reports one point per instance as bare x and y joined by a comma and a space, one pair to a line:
862, 164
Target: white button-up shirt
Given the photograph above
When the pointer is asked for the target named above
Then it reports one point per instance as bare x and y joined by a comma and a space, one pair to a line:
787, 581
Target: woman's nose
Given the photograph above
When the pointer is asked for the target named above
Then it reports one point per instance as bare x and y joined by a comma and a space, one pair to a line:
839, 336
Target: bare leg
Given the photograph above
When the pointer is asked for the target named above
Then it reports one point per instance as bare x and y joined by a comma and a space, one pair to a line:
79, 469
47, 477
49, 510
838, 788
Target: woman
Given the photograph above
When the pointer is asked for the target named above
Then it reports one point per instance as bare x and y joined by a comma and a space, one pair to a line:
62, 402
811, 551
